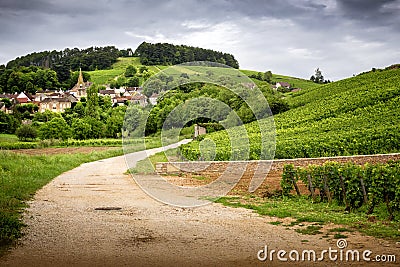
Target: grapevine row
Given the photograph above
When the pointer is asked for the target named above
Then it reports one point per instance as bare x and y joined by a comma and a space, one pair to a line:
350, 185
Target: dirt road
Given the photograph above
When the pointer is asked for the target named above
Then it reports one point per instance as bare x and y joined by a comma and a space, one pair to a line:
95, 215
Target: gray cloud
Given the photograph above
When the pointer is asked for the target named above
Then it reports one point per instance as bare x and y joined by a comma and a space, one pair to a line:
373, 12
288, 37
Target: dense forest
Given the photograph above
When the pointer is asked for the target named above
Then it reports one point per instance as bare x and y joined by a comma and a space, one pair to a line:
169, 54
31, 79
62, 62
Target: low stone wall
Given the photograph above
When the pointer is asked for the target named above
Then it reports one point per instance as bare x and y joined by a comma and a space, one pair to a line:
269, 172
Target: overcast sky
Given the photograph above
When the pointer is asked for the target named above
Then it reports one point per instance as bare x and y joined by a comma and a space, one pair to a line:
341, 37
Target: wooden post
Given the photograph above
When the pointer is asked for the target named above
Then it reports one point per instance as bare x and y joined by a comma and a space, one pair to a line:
311, 187
295, 186
344, 193
326, 188
363, 190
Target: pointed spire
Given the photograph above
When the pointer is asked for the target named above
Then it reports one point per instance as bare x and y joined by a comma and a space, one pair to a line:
80, 83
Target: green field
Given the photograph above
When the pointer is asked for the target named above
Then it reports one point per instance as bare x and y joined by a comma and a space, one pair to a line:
10, 141
294, 82
354, 116
118, 69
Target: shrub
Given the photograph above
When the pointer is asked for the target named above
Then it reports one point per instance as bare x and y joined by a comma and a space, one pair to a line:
26, 132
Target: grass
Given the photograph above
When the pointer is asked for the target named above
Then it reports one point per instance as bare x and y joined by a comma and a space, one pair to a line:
310, 230
294, 82
22, 176
147, 165
301, 209
10, 141
118, 69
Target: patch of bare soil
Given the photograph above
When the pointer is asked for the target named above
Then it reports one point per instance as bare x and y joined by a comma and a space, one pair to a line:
61, 150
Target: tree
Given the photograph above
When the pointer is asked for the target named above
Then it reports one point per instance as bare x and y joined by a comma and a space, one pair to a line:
81, 129
147, 74
121, 81
268, 76
26, 132
133, 82
92, 102
8, 123
45, 116
133, 118
79, 109
7, 102
57, 128
97, 127
317, 77
153, 86
130, 71
29, 87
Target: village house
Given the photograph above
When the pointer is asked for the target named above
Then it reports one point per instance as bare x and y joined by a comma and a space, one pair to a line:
282, 84
119, 101
55, 104
108, 92
13, 100
25, 98
139, 99
153, 99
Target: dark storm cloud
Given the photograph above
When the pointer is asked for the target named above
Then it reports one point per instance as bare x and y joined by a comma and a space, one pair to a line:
374, 12
340, 36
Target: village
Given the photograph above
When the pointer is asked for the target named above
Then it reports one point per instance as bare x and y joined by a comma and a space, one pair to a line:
59, 100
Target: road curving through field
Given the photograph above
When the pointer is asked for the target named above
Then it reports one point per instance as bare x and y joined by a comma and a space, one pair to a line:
95, 215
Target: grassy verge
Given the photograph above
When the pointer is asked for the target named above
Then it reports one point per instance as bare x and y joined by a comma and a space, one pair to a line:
302, 210
147, 165
21, 176
10, 141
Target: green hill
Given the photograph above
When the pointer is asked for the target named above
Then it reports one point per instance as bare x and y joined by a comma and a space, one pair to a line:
118, 69
359, 115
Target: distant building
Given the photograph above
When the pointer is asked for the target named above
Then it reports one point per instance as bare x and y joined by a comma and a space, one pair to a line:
139, 99
282, 84
108, 92
199, 130
25, 98
55, 104
79, 90
153, 99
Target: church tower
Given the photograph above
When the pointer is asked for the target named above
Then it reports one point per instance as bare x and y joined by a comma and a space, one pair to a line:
80, 87
80, 83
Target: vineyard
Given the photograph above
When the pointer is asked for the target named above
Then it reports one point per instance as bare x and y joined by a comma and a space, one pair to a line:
356, 116
348, 184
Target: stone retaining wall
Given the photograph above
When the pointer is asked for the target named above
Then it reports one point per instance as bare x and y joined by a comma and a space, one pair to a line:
258, 170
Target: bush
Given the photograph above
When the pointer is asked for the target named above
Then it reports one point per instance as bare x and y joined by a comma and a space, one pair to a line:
26, 132
57, 128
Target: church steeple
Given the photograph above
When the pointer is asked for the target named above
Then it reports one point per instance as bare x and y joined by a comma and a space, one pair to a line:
80, 83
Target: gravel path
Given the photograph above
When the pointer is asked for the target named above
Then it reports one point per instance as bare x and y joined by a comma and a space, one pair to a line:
95, 215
